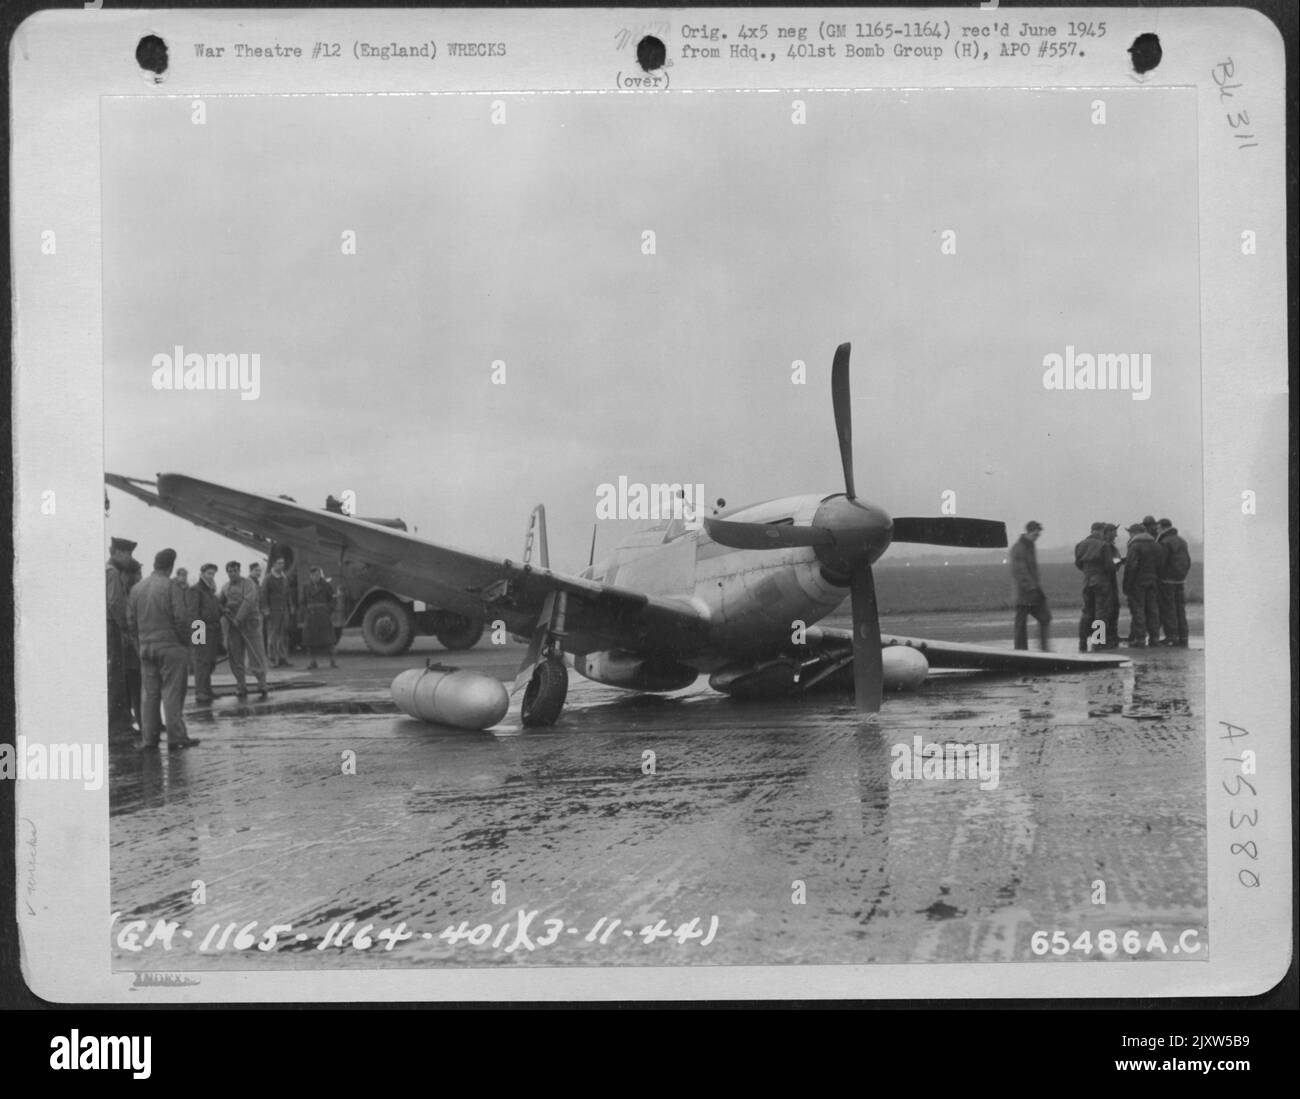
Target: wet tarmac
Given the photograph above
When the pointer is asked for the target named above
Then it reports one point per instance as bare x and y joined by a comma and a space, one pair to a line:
688, 829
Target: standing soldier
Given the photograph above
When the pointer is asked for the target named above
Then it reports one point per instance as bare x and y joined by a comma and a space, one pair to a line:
134, 690
119, 706
1175, 565
205, 606
1149, 525
1029, 595
181, 579
1108, 534
239, 601
317, 605
159, 621
255, 575
1141, 585
275, 606
1093, 559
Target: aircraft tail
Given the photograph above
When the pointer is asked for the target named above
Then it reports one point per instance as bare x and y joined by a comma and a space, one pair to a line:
535, 540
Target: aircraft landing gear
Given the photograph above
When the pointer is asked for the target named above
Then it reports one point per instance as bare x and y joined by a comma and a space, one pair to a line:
545, 693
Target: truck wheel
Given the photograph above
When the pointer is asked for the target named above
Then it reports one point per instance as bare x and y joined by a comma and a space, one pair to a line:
457, 632
544, 695
388, 627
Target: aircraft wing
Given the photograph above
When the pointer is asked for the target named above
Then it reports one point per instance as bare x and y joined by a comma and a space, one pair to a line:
148, 492
600, 616
953, 654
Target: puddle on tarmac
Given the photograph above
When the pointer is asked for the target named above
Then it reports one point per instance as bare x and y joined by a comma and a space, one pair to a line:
310, 816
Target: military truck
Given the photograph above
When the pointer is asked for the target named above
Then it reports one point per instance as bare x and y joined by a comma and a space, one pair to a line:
389, 621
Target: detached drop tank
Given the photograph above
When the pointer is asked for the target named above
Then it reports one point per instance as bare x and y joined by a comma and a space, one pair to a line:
451, 696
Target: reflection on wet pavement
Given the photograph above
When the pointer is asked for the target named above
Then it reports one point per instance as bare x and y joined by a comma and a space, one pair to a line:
750, 808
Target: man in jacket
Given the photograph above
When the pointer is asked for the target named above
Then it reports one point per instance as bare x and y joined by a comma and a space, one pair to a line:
1108, 535
243, 616
119, 706
134, 678
1092, 557
181, 578
1175, 565
205, 607
1029, 595
275, 608
1142, 563
159, 621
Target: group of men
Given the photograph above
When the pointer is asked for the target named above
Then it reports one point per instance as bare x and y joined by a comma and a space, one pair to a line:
1151, 573
160, 627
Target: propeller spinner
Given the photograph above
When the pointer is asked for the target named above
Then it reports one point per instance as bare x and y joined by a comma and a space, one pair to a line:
848, 535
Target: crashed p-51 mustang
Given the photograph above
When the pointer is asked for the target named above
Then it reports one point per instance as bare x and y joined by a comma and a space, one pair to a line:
736, 600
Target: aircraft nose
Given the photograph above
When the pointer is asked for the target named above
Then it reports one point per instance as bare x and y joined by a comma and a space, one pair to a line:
861, 532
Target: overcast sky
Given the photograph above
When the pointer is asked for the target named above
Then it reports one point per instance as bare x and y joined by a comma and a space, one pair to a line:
522, 242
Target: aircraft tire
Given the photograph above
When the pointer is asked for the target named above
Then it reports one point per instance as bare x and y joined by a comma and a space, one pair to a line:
388, 628
456, 632
545, 693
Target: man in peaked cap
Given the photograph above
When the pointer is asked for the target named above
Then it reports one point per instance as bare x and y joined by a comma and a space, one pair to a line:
159, 617
1092, 557
1108, 535
1029, 595
276, 593
243, 615
119, 705
205, 605
1175, 564
1142, 559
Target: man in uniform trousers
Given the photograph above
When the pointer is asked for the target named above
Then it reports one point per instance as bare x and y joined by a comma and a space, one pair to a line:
159, 620
242, 612
205, 606
1029, 595
255, 575
276, 609
181, 578
1108, 535
134, 679
119, 705
1142, 563
1092, 557
1175, 564
317, 606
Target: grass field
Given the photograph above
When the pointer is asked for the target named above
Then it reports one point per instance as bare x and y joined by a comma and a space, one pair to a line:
916, 588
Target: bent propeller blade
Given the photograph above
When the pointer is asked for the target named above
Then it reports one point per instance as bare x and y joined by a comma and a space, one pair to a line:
868, 665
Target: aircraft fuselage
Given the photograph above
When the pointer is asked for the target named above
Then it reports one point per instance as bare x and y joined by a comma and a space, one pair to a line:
751, 599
